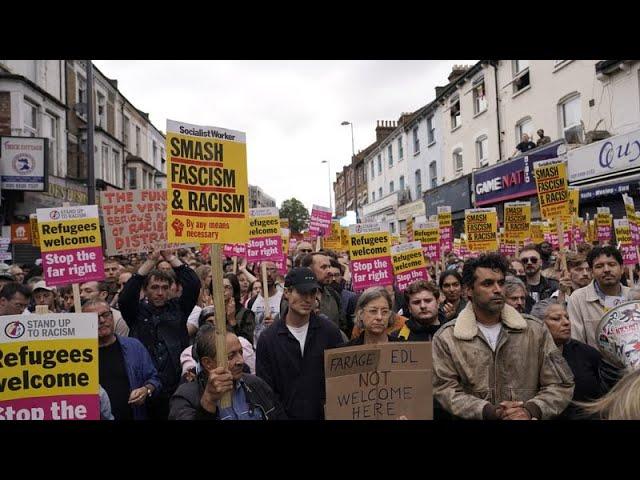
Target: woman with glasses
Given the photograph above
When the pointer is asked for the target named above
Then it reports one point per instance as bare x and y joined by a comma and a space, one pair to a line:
374, 314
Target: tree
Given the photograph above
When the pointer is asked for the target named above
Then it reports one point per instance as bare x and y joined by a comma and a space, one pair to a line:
297, 213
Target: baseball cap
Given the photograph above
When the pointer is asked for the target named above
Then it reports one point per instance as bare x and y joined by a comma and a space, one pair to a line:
42, 286
7, 276
302, 279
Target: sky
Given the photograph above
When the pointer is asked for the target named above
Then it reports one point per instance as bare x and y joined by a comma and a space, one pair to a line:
291, 111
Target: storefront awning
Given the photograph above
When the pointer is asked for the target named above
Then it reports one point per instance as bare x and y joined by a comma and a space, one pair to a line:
611, 187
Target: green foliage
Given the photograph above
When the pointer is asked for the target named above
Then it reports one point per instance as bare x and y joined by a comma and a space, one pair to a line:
297, 213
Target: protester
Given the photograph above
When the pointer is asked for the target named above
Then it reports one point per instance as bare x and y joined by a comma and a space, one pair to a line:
122, 279
348, 299
543, 139
374, 315
105, 404
245, 278
587, 305
112, 269
46, 296
240, 320
538, 286
546, 253
450, 284
489, 336
421, 298
252, 398
100, 291
577, 275
621, 403
256, 291
17, 273
126, 370
584, 361
66, 300
14, 298
290, 353
524, 146
160, 323
517, 269
265, 318
515, 294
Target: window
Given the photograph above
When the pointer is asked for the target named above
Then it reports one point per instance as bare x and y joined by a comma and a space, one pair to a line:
479, 98
521, 75
132, 174
523, 126
116, 164
379, 164
400, 152
433, 174
380, 192
101, 113
431, 131
105, 161
454, 111
391, 187
50, 131
125, 129
416, 141
137, 140
482, 144
401, 182
570, 112
390, 155
458, 164
372, 170
392, 226
81, 89
418, 176
30, 119
155, 153
373, 197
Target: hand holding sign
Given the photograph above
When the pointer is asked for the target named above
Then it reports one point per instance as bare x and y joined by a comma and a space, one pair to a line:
219, 382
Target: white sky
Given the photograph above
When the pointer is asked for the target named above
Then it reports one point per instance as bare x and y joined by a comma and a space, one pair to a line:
290, 110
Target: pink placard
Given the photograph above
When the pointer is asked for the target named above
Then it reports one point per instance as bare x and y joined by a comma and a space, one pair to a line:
60, 407
371, 273
635, 233
404, 279
508, 249
235, 250
604, 233
73, 266
577, 235
431, 251
446, 238
320, 222
552, 238
264, 248
629, 254
566, 238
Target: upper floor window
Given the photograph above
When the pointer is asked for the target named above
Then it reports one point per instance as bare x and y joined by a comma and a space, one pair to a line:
379, 164
482, 144
391, 187
138, 140
570, 111
400, 151
416, 141
30, 123
524, 126
521, 75
101, 110
456, 118
81, 89
458, 164
431, 131
50, 131
418, 177
479, 97
401, 182
390, 155
380, 192
125, 129
433, 174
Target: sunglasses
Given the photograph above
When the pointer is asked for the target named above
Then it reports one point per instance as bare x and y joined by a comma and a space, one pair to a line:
532, 260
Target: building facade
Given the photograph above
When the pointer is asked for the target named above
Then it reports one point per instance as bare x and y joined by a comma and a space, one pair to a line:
259, 199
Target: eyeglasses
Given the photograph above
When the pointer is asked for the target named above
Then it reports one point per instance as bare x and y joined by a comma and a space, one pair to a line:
228, 287
107, 314
376, 311
304, 250
532, 260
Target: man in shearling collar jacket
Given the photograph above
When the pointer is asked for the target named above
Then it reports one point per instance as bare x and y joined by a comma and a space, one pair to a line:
491, 362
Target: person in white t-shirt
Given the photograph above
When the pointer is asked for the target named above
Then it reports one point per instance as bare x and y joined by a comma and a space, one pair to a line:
275, 296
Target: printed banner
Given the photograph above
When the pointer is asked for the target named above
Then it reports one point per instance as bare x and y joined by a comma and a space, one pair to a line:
408, 264
265, 240
334, 240
508, 249
574, 201
410, 229
320, 222
630, 209
446, 228
23, 163
428, 234
553, 188
70, 244
370, 255
623, 237
481, 228
208, 190
517, 221
5, 254
235, 250
49, 367
604, 223
135, 221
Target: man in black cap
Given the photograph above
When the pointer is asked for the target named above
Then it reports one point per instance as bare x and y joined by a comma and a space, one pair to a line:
290, 353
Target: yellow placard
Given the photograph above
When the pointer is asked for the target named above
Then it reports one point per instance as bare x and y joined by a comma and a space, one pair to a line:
537, 235
517, 221
364, 246
604, 220
284, 233
481, 228
344, 238
410, 231
428, 235
70, 234
623, 231
268, 226
574, 201
553, 188
35, 233
207, 185
444, 216
334, 240
409, 259
284, 222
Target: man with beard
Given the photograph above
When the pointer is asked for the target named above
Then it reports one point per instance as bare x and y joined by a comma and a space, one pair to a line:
515, 294
587, 304
330, 302
577, 275
421, 298
347, 297
539, 287
491, 363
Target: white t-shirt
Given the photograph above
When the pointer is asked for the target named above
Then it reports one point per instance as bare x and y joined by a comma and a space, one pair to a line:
300, 333
258, 309
194, 316
491, 333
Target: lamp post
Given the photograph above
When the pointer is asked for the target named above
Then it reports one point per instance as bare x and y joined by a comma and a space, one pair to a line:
355, 171
330, 189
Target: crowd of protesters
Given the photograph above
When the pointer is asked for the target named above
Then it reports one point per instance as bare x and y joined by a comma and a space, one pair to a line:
512, 338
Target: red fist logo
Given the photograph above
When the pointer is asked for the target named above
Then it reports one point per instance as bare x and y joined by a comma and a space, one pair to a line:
178, 226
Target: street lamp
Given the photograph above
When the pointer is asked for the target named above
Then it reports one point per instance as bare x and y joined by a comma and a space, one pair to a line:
355, 171
330, 187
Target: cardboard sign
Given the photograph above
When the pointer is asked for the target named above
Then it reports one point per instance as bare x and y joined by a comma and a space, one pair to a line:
370, 255
428, 234
265, 240
23, 163
553, 188
135, 221
408, 264
320, 222
550, 233
334, 240
481, 228
35, 234
208, 190
49, 367
574, 201
446, 228
517, 221
379, 382
21, 233
508, 249
70, 244
577, 230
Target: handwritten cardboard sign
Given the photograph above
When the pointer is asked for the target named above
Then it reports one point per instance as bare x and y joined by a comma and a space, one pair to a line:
379, 382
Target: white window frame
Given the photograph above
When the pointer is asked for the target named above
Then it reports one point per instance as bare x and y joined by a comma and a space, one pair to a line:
32, 130
115, 155
126, 128
129, 185
431, 131
480, 103
81, 93
518, 69
458, 166
452, 103
416, 141
519, 130
433, 173
379, 164
482, 156
392, 186
373, 197
417, 175
373, 169
380, 192
138, 140
390, 154
101, 110
401, 184
53, 140
519, 72
574, 97
400, 149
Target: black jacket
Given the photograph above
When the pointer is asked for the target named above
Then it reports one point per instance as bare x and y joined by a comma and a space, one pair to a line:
185, 403
359, 340
546, 287
298, 381
584, 361
162, 330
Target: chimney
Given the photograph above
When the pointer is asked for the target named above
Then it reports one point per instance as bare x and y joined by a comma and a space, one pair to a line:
404, 117
384, 129
457, 71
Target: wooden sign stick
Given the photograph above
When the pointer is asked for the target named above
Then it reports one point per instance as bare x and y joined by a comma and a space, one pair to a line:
563, 258
221, 314
265, 289
318, 242
235, 264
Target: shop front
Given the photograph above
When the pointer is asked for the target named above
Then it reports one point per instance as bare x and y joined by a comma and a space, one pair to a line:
456, 194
